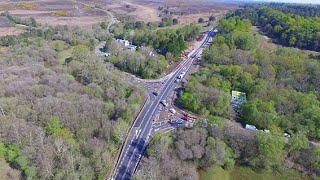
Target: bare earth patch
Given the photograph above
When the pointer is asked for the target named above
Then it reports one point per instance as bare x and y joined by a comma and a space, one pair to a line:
56, 12
187, 19
145, 13
186, 12
10, 31
77, 13
48, 17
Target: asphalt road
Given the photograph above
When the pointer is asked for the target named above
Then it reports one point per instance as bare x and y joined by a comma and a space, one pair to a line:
139, 137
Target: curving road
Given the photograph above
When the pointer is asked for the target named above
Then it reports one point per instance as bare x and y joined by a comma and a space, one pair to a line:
140, 133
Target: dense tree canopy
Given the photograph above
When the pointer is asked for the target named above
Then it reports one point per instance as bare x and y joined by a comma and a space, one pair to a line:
302, 10
236, 32
143, 63
62, 120
287, 29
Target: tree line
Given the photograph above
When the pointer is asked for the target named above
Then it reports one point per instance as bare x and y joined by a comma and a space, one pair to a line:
287, 29
302, 10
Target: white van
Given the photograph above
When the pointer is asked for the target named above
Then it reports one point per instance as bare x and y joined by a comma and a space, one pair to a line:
173, 111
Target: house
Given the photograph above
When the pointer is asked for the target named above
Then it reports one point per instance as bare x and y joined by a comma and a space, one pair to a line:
127, 44
123, 42
132, 47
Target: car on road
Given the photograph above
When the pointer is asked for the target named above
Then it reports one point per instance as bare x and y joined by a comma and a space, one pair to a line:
177, 80
164, 102
155, 93
181, 75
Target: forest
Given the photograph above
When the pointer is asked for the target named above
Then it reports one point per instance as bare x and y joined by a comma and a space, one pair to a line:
302, 10
61, 119
288, 29
282, 87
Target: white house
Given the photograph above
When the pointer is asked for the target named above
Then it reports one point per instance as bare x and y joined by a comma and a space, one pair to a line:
131, 47
127, 44
124, 42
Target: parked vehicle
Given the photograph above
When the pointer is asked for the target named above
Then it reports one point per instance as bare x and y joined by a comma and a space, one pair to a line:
164, 102
178, 121
173, 111
250, 127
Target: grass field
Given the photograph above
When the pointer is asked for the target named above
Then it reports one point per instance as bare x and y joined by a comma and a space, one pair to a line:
246, 173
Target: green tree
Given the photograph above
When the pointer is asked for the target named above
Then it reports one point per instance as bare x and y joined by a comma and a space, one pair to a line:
298, 142
271, 150
54, 125
81, 53
245, 41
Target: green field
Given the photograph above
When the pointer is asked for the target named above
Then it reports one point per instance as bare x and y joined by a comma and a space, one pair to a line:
246, 173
